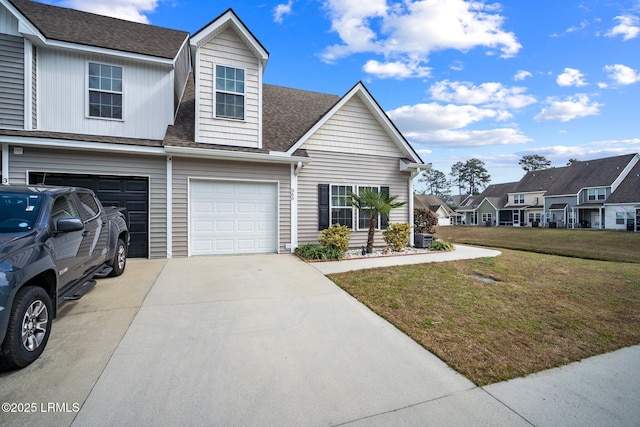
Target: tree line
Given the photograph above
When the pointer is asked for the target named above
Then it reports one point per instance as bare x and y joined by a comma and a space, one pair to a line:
471, 177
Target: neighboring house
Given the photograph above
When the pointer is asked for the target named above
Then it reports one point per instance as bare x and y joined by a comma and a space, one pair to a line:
485, 208
622, 208
601, 193
182, 131
446, 215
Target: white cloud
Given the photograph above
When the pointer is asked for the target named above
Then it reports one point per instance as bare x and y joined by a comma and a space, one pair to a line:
591, 150
395, 69
411, 30
434, 116
521, 75
571, 108
622, 74
571, 77
281, 10
470, 138
130, 10
628, 27
438, 124
491, 94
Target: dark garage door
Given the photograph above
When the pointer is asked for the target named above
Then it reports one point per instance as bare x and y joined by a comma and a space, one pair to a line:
130, 192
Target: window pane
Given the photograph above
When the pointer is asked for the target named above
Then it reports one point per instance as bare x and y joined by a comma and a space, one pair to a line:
342, 216
94, 69
94, 82
105, 71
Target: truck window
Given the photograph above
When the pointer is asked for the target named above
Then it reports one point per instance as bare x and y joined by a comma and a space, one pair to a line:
88, 205
63, 207
18, 211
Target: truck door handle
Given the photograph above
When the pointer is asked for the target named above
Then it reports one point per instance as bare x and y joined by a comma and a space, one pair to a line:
84, 233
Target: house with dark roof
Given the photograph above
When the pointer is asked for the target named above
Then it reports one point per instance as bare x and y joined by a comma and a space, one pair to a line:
446, 215
600, 194
622, 207
182, 130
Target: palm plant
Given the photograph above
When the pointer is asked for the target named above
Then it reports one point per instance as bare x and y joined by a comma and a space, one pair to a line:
375, 203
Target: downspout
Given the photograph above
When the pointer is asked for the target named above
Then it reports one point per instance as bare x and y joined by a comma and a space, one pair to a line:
415, 173
295, 170
169, 207
5, 164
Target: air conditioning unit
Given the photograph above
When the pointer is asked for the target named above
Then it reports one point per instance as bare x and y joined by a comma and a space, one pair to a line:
422, 240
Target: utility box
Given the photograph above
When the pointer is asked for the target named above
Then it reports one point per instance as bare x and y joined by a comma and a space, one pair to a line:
422, 240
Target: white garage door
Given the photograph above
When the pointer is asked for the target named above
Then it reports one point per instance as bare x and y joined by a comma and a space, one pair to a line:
232, 217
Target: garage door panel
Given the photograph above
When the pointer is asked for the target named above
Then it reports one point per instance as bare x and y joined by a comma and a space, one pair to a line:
243, 217
122, 191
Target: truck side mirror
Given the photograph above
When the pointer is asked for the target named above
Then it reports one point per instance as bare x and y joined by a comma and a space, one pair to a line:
67, 225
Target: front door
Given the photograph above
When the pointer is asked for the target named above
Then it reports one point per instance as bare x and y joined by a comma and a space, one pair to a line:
516, 218
595, 219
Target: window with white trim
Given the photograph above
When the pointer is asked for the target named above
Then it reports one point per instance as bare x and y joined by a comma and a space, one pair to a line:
620, 217
340, 208
230, 92
596, 194
534, 217
487, 217
364, 215
518, 199
105, 91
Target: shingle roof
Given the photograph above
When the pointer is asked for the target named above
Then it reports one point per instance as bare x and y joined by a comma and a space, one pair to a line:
629, 189
74, 26
287, 115
588, 173
497, 194
81, 137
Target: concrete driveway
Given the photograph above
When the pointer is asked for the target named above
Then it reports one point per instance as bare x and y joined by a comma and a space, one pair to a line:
262, 340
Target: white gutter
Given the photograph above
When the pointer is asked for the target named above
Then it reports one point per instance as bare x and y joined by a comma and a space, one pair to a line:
169, 207
80, 145
234, 155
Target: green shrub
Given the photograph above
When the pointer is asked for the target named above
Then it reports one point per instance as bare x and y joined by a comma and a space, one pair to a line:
441, 245
424, 221
397, 236
310, 251
337, 235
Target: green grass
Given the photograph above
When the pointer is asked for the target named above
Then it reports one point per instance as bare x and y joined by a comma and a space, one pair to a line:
540, 311
605, 245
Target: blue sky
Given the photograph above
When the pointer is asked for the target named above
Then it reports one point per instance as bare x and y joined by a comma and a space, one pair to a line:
461, 79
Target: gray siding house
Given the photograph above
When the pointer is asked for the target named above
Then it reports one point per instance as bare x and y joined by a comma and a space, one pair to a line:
182, 131
598, 194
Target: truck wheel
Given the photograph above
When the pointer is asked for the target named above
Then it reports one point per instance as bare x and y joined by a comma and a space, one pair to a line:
28, 329
119, 261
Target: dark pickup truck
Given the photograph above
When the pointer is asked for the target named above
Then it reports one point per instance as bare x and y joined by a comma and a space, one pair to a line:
54, 241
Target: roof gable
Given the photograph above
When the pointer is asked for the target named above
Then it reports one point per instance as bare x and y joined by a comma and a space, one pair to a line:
223, 22
52, 23
374, 108
629, 189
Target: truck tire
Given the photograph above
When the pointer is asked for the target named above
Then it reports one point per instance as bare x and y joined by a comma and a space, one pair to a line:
31, 312
119, 261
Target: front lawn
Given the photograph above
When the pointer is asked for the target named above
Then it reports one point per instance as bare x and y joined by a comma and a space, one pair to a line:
536, 312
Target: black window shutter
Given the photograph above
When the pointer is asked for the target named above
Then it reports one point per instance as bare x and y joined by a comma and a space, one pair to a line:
384, 219
323, 206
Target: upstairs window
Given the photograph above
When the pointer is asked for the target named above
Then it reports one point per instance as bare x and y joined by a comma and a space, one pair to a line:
230, 92
105, 91
518, 199
594, 194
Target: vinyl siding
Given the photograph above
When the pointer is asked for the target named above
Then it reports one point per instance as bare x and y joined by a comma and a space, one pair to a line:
34, 88
8, 22
63, 93
185, 168
229, 50
66, 161
353, 129
11, 82
182, 69
347, 169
